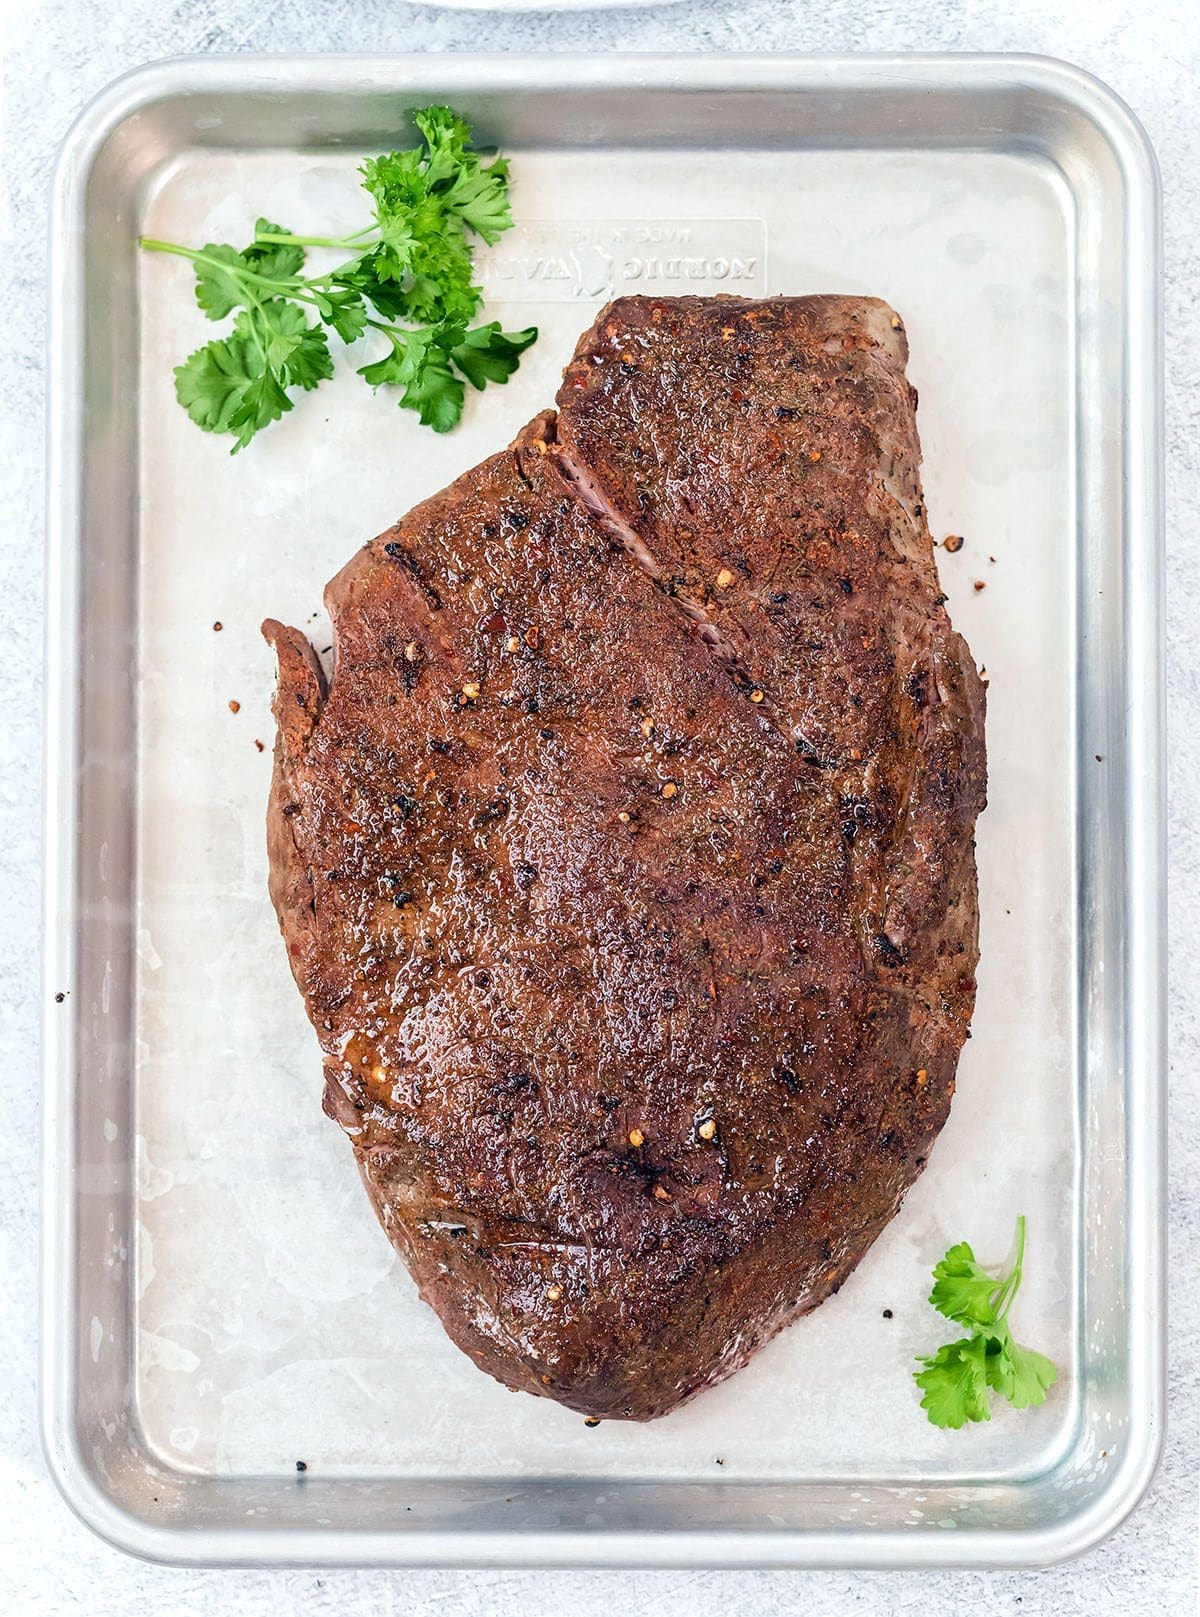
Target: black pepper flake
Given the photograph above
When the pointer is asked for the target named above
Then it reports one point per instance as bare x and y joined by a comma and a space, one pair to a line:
492, 811
517, 519
289, 809
846, 586
58, 998
788, 1077
892, 956
887, 1313
512, 1084
393, 549
526, 875
301, 1465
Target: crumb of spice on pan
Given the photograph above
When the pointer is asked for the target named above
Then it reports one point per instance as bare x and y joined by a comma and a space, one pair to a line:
218, 626
979, 585
720, 1461
301, 1465
59, 997
1099, 757
259, 745
887, 1313
234, 707
952, 542
591, 1420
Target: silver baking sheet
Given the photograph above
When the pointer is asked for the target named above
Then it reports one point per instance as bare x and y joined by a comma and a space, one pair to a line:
220, 1303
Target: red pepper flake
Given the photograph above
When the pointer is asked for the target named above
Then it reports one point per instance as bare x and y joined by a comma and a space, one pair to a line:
235, 707
979, 585
217, 627
259, 745
953, 542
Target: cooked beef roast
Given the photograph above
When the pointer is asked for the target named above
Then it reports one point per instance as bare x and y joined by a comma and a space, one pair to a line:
626, 864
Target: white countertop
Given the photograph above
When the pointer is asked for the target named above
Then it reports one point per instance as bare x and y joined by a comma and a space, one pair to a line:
59, 53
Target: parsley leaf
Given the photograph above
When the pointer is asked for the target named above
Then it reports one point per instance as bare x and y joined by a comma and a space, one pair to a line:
956, 1379
479, 196
296, 351
238, 384
219, 285
954, 1382
211, 384
447, 137
963, 1289
435, 393
1021, 1375
488, 354
276, 261
410, 276
262, 402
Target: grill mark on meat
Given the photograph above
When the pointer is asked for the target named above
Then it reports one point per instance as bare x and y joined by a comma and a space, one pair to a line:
396, 552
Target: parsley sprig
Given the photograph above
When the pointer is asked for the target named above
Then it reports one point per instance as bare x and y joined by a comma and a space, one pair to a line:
957, 1379
407, 276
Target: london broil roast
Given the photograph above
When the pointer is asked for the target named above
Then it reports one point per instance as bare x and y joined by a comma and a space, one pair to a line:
625, 863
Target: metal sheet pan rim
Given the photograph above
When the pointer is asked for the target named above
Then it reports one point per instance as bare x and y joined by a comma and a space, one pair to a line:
1144, 800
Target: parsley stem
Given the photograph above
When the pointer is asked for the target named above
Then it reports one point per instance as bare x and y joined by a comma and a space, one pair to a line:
282, 239
292, 287
153, 246
1008, 1290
